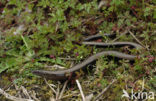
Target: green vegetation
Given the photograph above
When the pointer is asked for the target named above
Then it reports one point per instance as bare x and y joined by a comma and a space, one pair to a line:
36, 34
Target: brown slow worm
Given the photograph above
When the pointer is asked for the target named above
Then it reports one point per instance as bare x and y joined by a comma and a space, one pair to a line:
65, 74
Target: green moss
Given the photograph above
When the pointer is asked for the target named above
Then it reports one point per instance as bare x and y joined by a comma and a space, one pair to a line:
37, 34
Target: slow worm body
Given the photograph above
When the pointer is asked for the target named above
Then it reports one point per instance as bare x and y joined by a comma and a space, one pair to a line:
65, 74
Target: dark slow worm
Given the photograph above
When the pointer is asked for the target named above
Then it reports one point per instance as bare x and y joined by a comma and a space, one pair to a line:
65, 74
134, 45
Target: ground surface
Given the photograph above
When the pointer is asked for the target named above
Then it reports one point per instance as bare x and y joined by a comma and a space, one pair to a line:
40, 34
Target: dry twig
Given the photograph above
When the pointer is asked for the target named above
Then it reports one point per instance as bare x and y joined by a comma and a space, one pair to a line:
33, 95
125, 32
55, 66
25, 92
80, 88
61, 94
104, 90
71, 59
13, 98
18, 91
58, 91
49, 86
137, 39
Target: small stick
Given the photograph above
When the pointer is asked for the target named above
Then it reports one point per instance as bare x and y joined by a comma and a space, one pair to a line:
103, 3
55, 66
13, 98
125, 32
61, 94
137, 39
72, 59
25, 92
65, 84
57, 26
33, 95
69, 95
80, 88
58, 91
104, 90
49, 86
143, 84
18, 91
